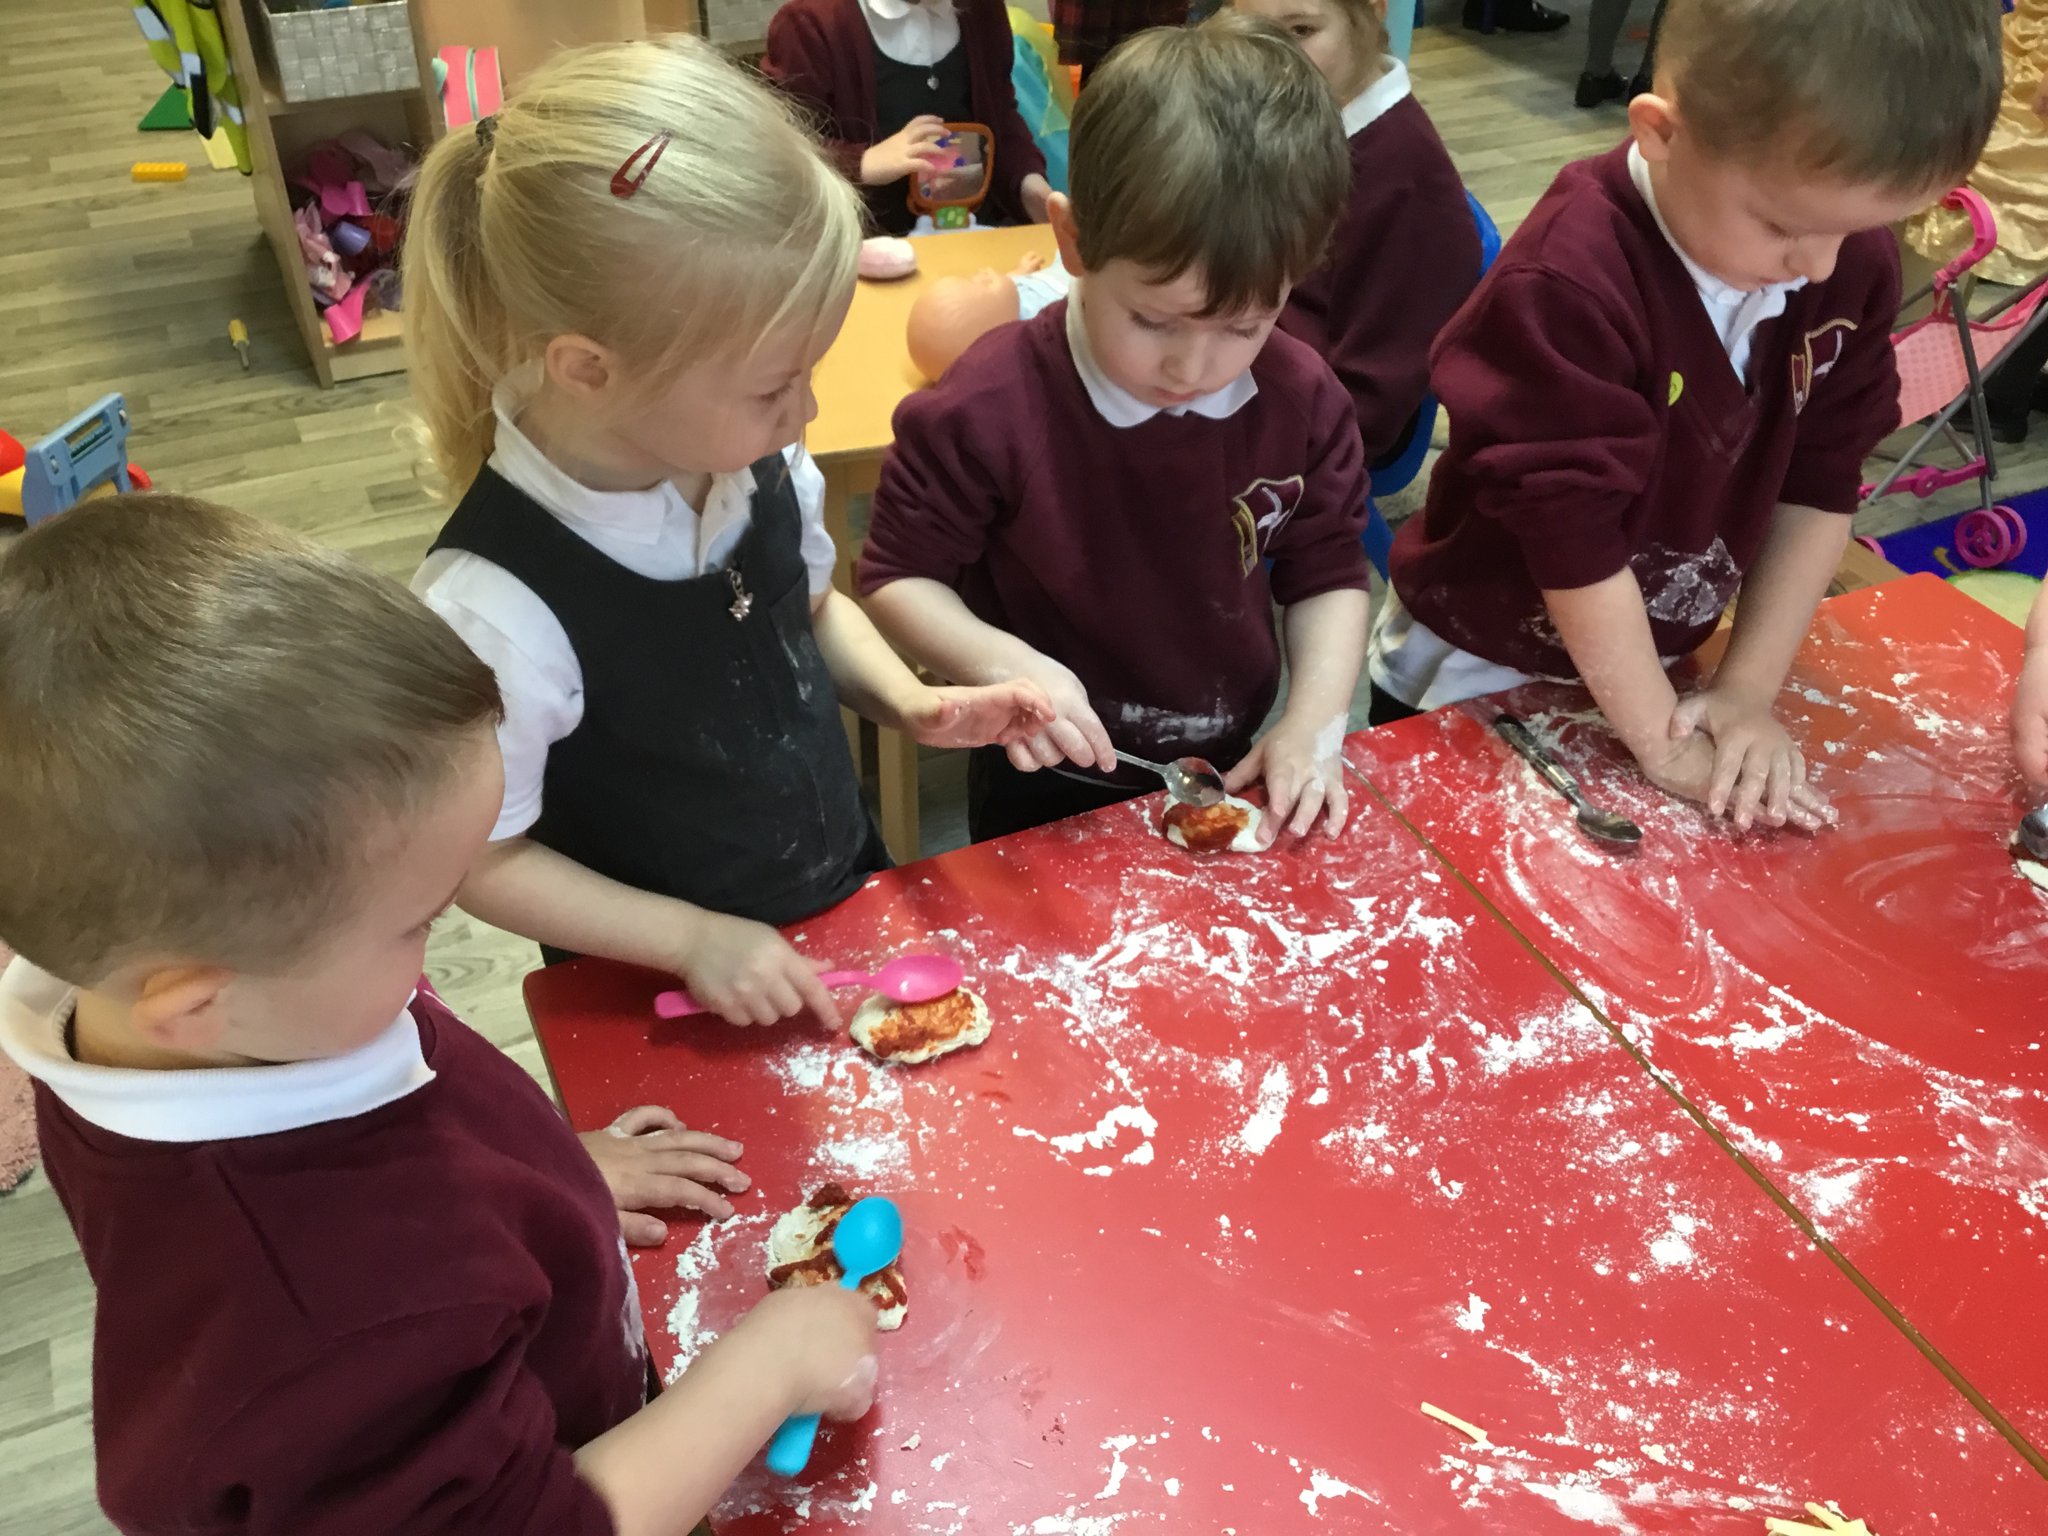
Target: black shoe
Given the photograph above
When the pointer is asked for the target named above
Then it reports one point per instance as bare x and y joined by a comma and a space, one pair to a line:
1513, 16
1639, 86
1594, 89
2008, 423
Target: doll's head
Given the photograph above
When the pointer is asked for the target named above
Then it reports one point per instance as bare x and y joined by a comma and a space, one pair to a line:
953, 314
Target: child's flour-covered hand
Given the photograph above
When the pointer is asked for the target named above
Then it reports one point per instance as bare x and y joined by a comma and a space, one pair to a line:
1001, 713
1073, 735
747, 973
651, 1162
1303, 769
1758, 771
2030, 717
821, 1346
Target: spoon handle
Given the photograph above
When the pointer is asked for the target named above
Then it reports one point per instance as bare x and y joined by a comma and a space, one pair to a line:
790, 1451
676, 1005
1519, 736
1139, 762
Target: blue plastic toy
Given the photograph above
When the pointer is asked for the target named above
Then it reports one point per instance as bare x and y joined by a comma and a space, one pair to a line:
66, 466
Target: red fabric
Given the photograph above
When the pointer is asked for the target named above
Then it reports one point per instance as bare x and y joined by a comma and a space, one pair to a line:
1117, 550
822, 54
1569, 457
403, 1322
1087, 29
1404, 256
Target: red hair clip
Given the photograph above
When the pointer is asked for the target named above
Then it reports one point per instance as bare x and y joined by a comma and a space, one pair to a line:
624, 182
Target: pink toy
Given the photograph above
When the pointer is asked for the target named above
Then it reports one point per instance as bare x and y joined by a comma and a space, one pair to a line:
885, 259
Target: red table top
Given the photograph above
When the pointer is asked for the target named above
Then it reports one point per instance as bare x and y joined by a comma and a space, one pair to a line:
1263, 1155
1860, 1011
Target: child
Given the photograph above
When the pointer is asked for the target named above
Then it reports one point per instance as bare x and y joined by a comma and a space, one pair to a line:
1406, 252
887, 75
1666, 388
354, 1273
615, 294
2030, 702
1090, 500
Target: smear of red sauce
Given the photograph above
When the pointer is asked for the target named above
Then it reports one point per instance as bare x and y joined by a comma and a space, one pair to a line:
885, 1290
918, 1026
1207, 829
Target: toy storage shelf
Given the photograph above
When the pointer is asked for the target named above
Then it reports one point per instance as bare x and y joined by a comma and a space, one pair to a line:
280, 133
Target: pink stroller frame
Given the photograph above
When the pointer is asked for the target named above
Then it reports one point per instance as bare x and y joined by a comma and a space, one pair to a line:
1942, 360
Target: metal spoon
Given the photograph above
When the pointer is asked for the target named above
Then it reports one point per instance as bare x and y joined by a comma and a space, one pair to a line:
1190, 780
2034, 833
1603, 826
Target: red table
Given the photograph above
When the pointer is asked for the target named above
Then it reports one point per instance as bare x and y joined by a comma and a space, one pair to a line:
1860, 1011
1263, 1155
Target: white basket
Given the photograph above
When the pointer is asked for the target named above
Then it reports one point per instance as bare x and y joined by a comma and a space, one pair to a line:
357, 50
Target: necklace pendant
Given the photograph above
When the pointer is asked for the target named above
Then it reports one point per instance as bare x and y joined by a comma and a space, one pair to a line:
742, 599
931, 81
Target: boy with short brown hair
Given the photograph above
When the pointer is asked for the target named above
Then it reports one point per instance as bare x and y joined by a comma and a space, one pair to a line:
1666, 388
1093, 499
354, 1273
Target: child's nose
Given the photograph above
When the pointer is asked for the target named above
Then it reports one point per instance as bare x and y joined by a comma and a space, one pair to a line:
1814, 260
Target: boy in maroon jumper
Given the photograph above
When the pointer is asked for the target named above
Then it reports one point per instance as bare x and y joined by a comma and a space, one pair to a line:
354, 1272
1666, 388
1092, 499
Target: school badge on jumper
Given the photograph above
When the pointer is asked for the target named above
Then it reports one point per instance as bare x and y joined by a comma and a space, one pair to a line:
1259, 512
1808, 369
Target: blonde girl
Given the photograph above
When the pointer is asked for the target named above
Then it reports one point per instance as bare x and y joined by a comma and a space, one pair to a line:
1406, 253
616, 291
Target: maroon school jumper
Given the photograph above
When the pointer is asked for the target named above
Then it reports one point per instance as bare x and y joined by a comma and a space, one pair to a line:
1403, 258
822, 53
1596, 424
402, 1323
1133, 555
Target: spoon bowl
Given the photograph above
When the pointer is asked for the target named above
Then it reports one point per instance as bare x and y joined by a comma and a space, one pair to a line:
1190, 780
2034, 833
868, 1239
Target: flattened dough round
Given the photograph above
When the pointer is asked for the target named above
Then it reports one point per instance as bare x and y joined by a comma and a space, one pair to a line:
908, 1033
800, 1253
2030, 869
1232, 827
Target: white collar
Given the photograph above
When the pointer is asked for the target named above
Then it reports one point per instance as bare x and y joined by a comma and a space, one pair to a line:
630, 517
1119, 407
888, 10
1377, 99
1717, 293
211, 1104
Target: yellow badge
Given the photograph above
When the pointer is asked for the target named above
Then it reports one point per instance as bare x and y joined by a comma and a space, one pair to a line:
1677, 386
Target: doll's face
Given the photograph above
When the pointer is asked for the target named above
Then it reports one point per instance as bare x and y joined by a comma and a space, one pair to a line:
953, 314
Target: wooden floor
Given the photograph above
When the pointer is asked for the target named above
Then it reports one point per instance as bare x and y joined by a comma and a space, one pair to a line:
109, 285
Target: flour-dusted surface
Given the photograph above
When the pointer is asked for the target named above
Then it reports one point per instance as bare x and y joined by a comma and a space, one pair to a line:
1263, 1160
1861, 1011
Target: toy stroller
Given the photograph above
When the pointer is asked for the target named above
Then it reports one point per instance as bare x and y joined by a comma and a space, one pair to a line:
1942, 361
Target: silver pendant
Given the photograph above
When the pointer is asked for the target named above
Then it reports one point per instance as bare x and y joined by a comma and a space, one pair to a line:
931, 82
742, 599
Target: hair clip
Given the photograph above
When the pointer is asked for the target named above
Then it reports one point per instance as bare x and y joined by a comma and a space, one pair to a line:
487, 130
624, 182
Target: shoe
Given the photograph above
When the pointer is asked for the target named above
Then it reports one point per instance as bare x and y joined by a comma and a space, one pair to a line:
1513, 16
1594, 89
1639, 86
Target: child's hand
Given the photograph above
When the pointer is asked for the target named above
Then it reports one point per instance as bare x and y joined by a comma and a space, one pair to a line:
824, 1346
1304, 773
913, 150
747, 973
973, 717
651, 1163
1074, 734
1036, 193
2030, 718
1757, 767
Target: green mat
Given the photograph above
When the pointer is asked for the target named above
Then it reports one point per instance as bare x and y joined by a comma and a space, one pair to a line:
170, 112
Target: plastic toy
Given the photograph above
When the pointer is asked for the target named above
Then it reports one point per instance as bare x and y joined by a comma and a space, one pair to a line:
84, 458
884, 259
238, 338
158, 170
949, 195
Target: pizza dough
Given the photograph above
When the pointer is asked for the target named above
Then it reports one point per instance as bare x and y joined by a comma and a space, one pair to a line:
1231, 827
800, 1253
908, 1033
2030, 869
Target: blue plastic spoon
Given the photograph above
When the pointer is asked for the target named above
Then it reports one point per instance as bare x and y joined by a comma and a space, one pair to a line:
868, 1239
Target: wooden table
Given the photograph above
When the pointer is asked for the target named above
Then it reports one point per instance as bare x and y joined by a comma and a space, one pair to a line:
1861, 1012
1261, 1158
859, 384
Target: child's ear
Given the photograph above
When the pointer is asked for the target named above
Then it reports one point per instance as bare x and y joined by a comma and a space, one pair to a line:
580, 366
183, 1007
1654, 121
1059, 212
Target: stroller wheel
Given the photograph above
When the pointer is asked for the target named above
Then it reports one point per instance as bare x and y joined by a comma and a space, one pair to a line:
1870, 544
1984, 539
2017, 526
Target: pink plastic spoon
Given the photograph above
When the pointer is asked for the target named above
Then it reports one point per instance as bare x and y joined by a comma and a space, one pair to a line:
906, 979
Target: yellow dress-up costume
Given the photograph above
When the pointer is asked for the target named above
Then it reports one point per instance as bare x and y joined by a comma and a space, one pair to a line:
2012, 176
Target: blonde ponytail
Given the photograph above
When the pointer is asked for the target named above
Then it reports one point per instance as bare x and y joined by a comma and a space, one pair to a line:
739, 231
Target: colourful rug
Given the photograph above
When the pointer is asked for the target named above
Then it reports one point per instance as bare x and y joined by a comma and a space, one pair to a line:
2010, 589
